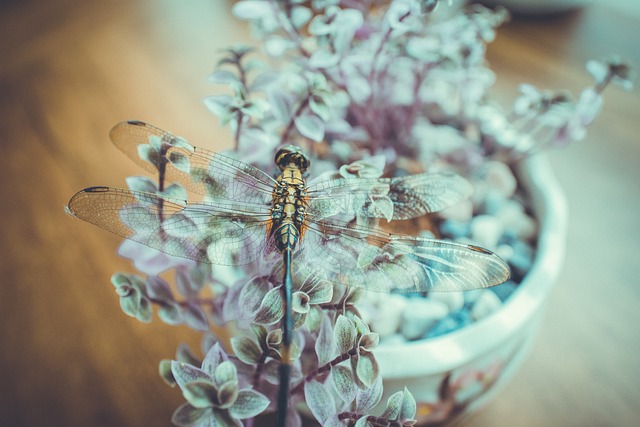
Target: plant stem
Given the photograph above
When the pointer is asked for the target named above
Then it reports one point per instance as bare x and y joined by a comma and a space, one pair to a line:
327, 366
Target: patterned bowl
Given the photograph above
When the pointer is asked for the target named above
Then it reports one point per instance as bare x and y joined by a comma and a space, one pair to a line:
454, 374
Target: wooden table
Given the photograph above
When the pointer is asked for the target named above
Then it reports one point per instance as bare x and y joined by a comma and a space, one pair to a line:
70, 69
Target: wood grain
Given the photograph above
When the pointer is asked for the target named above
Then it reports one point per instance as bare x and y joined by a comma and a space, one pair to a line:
70, 69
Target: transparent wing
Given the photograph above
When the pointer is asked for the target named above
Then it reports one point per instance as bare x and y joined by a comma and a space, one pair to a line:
197, 169
225, 233
382, 262
390, 198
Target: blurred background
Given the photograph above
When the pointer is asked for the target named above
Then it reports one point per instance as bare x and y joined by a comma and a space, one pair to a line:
71, 69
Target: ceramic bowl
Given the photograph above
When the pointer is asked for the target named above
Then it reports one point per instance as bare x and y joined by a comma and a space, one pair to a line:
452, 375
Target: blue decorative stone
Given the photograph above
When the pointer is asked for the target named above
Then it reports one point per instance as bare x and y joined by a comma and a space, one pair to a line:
452, 322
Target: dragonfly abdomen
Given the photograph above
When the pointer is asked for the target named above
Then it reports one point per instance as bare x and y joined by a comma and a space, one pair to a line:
288, 209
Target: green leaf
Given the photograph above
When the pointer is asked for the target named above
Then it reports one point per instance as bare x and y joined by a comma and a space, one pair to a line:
361, 326
408, 407
225, 372
323, 58
319, 400
195, 317
280, 103
300, 15
314, 319
175, 191
322, 292
344, 334
246, 349
227, 394
252, 293
164, 369
366, 368
158, 289
185, 355
222, 77
248, 404
324, 346
139, 219
369, 397
343, 383
261, 334
298, 319
214, 357
394, 404
274, 338
200, 393
187, 415
368, 342
271, 308
310, 126
170, 313
135, 304
218, 104
300, 302
185, 373
141, 183
319, 106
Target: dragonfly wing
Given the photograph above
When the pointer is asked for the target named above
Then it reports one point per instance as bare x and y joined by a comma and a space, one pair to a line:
390, 198
196, 169
378, 261
218, 233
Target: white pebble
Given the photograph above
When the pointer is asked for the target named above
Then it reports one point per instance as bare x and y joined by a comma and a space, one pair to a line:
486, 230
514, 218
453, 300
500, 178
462, 211
386, 320
486, 304
504, 251
420, 315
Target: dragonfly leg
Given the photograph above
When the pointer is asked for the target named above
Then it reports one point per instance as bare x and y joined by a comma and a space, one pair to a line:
287, 330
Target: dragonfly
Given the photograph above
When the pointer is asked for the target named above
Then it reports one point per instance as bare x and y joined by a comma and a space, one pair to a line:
324, 226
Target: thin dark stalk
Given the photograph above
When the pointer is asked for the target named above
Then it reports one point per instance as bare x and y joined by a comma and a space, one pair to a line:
259, 367
287, 330
326, 367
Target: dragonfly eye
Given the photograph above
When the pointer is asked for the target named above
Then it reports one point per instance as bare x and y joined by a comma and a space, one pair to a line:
292, 155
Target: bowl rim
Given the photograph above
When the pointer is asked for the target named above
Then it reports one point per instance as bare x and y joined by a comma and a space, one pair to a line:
447, 352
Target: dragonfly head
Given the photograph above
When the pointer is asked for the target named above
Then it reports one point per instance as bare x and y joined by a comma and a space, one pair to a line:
290, 154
